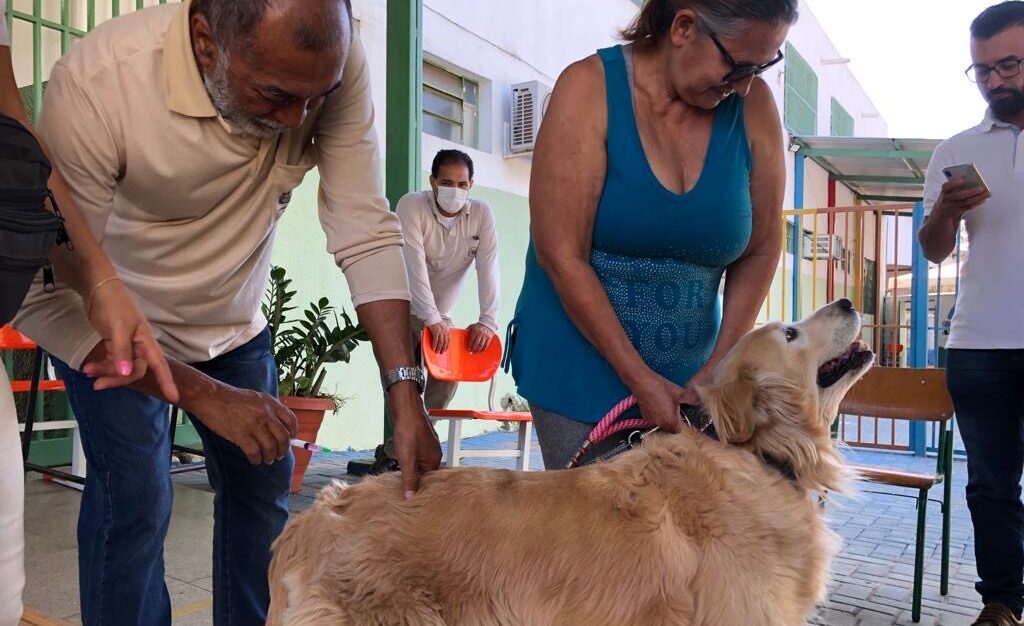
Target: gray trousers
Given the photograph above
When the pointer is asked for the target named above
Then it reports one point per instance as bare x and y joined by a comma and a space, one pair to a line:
560, 437
437, 394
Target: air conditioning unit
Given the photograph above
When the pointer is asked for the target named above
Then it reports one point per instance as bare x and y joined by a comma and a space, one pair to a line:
529, 102
820, 249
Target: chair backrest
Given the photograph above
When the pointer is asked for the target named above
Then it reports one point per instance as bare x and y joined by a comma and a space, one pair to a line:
457, 363
901, 393
11, 339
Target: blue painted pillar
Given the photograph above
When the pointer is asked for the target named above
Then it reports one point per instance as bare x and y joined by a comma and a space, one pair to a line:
918, 354
798, 231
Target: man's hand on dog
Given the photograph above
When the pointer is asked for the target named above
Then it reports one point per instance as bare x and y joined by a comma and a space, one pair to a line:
416, 446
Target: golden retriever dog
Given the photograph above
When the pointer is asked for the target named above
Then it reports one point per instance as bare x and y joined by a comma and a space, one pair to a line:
684, 530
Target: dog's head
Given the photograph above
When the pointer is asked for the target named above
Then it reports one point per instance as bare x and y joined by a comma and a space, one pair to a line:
778, 391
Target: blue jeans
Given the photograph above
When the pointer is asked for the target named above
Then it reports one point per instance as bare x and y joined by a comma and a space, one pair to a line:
987, 387
126, 505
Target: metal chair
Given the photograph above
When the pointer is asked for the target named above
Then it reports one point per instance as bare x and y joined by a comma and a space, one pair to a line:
916, 395
12, 340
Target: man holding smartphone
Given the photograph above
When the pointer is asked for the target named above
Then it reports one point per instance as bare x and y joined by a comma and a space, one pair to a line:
985, 361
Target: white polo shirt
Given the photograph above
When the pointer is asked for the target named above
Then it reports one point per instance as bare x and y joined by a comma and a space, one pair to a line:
990, 307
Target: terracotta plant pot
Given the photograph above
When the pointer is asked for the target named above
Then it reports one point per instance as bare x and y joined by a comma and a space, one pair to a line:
310, 414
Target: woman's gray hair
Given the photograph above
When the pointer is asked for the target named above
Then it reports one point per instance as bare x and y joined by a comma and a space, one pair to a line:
233, 23
723, 17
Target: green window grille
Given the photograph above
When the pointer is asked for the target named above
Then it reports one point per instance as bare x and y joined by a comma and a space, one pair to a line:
450, 105
51, 27
800, 107
842, 122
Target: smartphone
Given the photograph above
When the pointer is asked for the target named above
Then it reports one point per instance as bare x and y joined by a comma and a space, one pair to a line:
968, 172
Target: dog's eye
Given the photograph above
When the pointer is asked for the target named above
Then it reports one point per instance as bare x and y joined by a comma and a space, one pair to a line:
791, 333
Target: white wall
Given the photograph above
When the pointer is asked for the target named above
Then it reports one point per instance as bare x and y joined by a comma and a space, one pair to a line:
836, 81
498, 44
502, 43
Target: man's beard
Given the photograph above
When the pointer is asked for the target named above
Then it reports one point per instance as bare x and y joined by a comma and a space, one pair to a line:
1007, 107
219, 89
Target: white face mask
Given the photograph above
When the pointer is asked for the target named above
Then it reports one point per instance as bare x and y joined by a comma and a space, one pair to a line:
452, 199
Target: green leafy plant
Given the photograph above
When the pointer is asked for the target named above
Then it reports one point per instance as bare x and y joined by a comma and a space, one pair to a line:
305, 345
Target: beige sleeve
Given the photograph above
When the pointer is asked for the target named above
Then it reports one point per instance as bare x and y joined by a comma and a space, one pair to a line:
362, 233
423, 304
88, 157
487, 272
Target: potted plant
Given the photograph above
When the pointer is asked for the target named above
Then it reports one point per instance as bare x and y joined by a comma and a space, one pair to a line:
303, 347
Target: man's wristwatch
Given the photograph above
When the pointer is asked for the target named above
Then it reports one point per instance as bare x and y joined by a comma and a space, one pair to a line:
398, 374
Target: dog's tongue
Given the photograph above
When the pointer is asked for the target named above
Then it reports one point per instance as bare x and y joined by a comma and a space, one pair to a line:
855, 347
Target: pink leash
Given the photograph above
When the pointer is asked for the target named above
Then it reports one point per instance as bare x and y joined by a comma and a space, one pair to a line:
608, 427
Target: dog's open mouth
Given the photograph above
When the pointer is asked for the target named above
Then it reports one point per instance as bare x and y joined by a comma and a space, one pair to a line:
855, 357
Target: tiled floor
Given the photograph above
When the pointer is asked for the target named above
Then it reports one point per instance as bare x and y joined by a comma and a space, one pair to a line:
872, 575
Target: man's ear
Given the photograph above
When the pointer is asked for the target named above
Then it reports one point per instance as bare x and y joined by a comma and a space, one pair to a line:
204, 47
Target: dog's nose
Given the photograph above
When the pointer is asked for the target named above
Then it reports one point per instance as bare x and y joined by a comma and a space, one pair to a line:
845, 304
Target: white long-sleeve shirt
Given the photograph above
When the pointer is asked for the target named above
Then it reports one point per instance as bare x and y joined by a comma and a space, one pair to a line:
437, 256
4, 39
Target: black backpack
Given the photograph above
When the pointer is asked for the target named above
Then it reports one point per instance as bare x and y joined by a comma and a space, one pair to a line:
27, 229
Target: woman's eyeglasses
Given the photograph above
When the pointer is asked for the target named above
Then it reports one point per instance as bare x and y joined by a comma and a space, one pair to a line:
741, 71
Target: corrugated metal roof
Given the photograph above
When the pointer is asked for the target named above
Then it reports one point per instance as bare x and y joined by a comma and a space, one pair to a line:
877, 169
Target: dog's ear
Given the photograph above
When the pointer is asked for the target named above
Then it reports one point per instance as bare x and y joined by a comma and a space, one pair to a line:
779, 401
729, 400
743, 399
793, 433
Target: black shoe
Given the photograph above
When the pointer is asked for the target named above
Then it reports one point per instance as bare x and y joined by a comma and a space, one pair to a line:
382, 463
996, 614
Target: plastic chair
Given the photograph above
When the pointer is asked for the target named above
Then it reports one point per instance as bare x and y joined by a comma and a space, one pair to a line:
916, 395
11, 339
457, 363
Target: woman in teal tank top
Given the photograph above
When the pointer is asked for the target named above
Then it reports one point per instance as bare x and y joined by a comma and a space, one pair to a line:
658, 170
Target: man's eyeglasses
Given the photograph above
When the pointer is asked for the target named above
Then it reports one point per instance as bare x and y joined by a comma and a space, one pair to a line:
741, 71
1005, 68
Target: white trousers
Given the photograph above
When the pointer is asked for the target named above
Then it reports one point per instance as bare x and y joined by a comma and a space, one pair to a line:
12, 509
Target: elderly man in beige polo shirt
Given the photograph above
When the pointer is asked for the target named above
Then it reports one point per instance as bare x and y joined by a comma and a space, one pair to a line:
182, 130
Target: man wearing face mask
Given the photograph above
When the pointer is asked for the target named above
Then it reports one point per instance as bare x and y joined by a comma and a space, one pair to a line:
985, 358
445, 232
